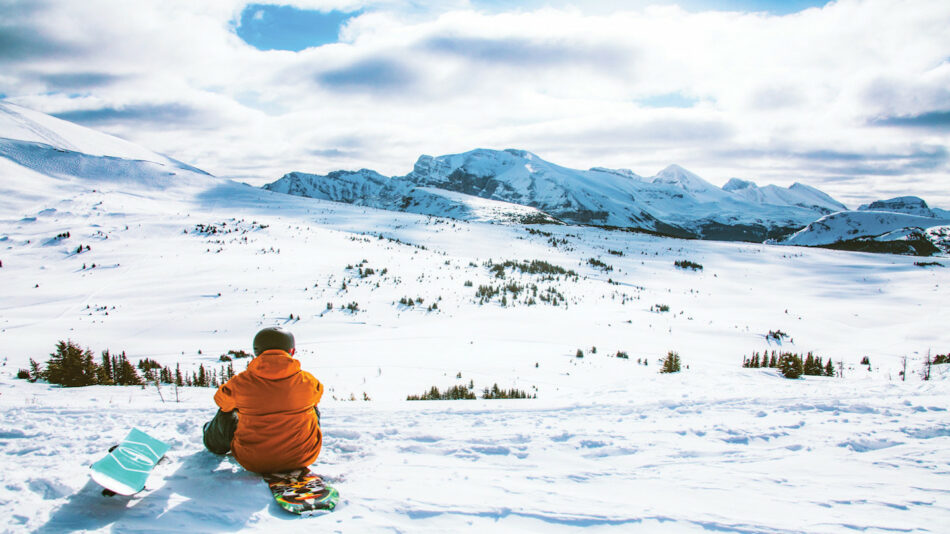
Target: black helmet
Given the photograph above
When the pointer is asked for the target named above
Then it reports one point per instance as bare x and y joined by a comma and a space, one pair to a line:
273, 338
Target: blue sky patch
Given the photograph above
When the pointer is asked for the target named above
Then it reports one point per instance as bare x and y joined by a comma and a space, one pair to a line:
268, 27
668, 100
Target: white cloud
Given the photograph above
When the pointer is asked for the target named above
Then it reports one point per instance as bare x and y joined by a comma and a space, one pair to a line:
802, 97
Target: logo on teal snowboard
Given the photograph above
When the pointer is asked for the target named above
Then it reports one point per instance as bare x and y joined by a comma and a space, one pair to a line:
126, 468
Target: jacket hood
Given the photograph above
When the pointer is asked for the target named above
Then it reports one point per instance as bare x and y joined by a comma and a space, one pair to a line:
274, 365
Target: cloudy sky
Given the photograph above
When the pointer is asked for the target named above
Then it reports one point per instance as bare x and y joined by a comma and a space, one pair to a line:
852, 97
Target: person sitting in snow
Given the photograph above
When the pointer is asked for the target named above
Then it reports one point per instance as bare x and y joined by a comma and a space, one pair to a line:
268, 414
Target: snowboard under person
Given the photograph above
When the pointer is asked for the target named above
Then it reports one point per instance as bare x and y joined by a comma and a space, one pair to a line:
268, 415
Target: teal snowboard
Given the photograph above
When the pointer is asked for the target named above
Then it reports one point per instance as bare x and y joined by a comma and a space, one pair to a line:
127, 466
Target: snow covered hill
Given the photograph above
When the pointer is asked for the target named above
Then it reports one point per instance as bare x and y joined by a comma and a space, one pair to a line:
28, 126
42, 157
675, 201
900, 225
386, 304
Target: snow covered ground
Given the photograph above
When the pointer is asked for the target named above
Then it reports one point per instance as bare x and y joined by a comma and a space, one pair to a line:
609, 444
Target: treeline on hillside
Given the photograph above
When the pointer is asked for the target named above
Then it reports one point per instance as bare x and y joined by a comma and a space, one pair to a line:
72, 366
791, 365
467, 392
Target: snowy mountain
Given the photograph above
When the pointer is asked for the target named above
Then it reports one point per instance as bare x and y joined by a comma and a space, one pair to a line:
124, 251
872, 231
908, 205
898, 225
675, 201
795, 195
371, 189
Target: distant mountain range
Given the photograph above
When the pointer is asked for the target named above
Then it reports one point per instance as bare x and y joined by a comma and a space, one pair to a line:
47, 153
674, 202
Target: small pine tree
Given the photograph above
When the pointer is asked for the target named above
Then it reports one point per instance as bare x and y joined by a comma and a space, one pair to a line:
671, 364
790, 365
126, 374
809, 367
829, 368
105, 369
178, 378
35, 372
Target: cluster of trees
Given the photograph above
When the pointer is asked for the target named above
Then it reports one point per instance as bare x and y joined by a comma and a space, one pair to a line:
594, 262
532, 294
791, 365
235, 354
456, 392
410, 302
777, 335
72, 366
686, 264
497, 393
532, 267
467, 392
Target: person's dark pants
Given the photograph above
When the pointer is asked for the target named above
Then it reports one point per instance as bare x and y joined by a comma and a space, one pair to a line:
219, 431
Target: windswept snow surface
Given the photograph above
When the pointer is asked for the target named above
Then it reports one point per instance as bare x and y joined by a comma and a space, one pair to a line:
184, 271
17, 122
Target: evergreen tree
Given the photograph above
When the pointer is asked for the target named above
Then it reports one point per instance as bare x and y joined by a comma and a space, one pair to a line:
829, 368
790, 365
671, 364
126, 374
202, 379
809, 364
35, 372
178, 378
105, 370
70, 366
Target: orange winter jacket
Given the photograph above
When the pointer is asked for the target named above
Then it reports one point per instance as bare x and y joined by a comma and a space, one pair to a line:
277, 429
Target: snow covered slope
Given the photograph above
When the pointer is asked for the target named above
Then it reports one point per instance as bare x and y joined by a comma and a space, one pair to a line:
675, 201
42, 156
183, 273
28, 126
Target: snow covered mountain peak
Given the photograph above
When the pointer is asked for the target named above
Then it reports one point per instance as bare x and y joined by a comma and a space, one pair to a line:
908, 204
737, 184
689, 181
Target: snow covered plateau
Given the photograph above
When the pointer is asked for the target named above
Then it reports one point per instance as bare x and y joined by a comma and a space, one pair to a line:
112, 246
